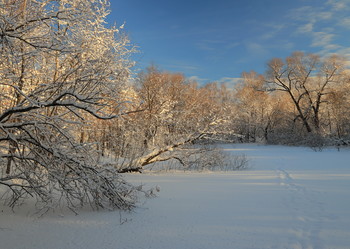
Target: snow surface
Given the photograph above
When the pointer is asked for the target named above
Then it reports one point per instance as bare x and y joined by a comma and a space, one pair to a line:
291, 197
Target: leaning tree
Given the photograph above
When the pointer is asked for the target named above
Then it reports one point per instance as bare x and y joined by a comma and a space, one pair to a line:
60, 67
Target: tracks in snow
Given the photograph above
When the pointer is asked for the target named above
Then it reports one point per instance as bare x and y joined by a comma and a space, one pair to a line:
307, 211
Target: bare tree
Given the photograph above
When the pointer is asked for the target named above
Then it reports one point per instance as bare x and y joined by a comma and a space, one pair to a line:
175, 113
306, 79
252, 102
260, 112
338, 111
60, 67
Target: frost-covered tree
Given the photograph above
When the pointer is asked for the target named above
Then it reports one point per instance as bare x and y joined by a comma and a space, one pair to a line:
175, 113
259, 112
307, 80
338, 110
60, 66
301, 99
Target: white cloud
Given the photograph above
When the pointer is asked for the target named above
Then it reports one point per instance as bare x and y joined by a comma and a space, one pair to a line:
330, 49
256, 49
197, 79
345, 22
229, 81
287, 45
207, 45
310, 14
274, 29
338, 4
319, 25
345, 52
180, 66
321, 39
306, 28
212, 45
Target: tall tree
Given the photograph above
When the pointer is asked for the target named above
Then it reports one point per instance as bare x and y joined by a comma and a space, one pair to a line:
59, 67
307, 79
338, 111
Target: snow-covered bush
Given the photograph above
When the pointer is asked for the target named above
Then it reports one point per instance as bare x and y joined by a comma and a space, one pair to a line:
203, 157
216, 159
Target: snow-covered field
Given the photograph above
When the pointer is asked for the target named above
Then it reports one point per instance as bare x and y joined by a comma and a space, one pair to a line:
289, 198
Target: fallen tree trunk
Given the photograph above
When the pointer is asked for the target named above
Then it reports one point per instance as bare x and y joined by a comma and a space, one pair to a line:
156, 155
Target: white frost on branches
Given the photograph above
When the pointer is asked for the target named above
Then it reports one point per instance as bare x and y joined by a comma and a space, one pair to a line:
60, 67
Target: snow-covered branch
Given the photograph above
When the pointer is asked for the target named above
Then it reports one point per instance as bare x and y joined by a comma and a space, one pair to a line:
60, 69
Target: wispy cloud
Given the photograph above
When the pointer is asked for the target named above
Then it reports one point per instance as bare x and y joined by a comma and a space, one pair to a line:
181, 67
346, 53
274, 29
212, 45
338, 4
256, 49
345, 22
321, 39
310, 14
198, 79
306, 28
229, 81
209, 45
319, 24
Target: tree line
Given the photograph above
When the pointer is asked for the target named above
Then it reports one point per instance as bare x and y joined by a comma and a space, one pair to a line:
300, 100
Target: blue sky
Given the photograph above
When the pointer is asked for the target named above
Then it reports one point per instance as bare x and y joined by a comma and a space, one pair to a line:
216, 40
